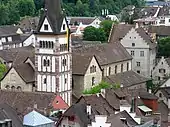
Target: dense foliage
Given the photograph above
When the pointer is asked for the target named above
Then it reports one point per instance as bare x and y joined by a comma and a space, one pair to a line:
13, 10
98, 34
164, 47
3, 69
102, 85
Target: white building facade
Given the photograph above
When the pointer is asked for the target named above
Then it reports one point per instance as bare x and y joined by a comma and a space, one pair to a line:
53, 53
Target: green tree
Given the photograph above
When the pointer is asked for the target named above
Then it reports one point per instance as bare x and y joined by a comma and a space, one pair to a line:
106, 25
26, 7
3, 69
4, 14
94, 34
164, 47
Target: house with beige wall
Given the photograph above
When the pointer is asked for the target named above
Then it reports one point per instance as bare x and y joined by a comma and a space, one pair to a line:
87, 73
139, 44
19, 78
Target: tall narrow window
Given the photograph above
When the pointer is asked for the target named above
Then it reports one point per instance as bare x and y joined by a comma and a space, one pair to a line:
45, 27
43, 44
45, 80
141, 53
64, 27
121, 67
93, 81
109, 71
47, 44
64, 62
116, 69
48, 62
127, 66
40, 44
52, 44
44, 62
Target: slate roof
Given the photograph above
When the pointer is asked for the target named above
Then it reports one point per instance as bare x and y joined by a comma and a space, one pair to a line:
115, 121
36, 119
7, 112
81, 63
159, 30
17, 55
26, 72
98, 103
147, 12
147, 95
105, 52
83, 20
164, 11
8, 30
24, 101
119, 31
165, 91
168, 60
127, 79
54, 14
79, 111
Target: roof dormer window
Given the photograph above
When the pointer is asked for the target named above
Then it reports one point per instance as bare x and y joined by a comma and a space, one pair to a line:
45, 27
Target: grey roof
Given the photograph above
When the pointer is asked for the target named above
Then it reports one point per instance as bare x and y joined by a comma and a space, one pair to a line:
83, 20
105, 52
164, 11
159, 30
54, 14
8, 30
147, 12
163, 109
119, 31
26, 72
168, 60
81, 63
17, 55
78, 110
7, 112
22, 102
115, 121
165, 91
127, 79
146, 95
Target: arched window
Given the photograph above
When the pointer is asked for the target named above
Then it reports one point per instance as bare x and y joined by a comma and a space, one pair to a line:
49, 44
13, 88
7, 87
44, 62
40, 44
109, 71
52, 44
48, 62
19, 88
43, 44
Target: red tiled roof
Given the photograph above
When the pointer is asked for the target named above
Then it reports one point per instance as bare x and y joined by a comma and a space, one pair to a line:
59, 103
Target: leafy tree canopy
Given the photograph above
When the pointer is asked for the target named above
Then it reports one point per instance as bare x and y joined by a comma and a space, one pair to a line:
3, 69
164, 47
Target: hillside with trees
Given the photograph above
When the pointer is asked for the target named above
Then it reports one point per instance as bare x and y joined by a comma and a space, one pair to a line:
13, 10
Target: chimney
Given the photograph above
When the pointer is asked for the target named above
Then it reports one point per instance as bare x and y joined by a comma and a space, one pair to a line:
103, 92
88, 109
133, 105
35, 106
137, 25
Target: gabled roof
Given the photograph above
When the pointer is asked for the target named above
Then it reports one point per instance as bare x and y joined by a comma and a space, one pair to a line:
127, 79
26, 72
165, 91
105, 52
8, 30
54, 15
7, 112
34, 119
59, 103
81, 62
22, 102
164, 11
17, 55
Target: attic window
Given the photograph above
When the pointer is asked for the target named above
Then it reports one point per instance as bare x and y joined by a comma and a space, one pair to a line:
45, 27
64, 27
57, 102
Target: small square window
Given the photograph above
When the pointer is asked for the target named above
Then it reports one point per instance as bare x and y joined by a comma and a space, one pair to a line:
141, 53
132, 53
138, 71
138, 64
45, 27
133, 44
